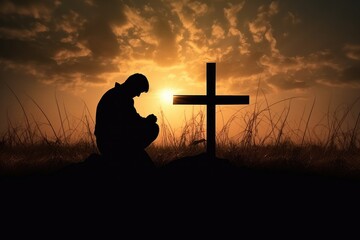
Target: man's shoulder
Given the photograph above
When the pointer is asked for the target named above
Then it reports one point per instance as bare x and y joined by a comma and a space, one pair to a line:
117, 95
113, 91
117, 87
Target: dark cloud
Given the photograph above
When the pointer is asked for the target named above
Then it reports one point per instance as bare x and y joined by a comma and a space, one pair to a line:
24, 52
166, 53
322, 24
86, 66
303, 71
35, 9
291, 45
244, 66
75, 43
352, 51
351, 74
96, 33
289, 81
99, 39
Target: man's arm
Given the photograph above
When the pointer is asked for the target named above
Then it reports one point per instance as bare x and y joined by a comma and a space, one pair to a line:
151, 118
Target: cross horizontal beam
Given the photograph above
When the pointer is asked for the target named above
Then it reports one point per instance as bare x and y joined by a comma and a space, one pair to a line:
211, 100
218, 100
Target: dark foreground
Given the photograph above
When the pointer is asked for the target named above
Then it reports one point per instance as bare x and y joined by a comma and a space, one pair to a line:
187, 195
189, 177
190, 198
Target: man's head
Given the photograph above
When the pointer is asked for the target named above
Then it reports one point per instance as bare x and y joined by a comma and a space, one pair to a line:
136, 84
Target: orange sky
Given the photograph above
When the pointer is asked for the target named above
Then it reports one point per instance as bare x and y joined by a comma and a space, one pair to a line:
79, 49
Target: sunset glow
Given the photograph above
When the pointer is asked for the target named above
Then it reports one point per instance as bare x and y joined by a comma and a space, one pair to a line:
166, 96
66, 54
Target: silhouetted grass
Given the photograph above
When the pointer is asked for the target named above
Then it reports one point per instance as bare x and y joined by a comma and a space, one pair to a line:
39, 146
263, 138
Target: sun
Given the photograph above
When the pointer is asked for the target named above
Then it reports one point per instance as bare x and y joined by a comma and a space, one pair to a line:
166, 96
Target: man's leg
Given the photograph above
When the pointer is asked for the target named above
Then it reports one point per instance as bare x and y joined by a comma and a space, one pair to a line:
113, 151
150, 134
105, 148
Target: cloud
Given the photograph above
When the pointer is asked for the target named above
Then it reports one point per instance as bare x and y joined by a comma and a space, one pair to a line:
98, 37
166, 52
71, 55
301, 72
60, 42
261, 25
292, 18
36, 9
231, 12
245, 66
23, 34
231, 17
352, 51
70, 43
351, 74
198, 8
289, 81
217, 33
24, 52
148, 35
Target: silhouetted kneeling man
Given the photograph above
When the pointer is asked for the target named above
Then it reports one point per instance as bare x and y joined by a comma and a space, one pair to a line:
121, 133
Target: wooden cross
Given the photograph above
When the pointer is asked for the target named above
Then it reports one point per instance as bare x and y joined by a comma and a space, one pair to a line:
210, 100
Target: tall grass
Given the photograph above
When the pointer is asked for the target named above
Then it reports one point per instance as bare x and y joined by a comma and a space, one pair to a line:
41, 146
264, 138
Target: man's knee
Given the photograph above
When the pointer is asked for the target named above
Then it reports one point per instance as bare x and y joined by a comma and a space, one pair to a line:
151, 134
109, 148
155, 131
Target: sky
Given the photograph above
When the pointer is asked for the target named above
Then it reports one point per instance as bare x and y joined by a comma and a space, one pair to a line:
68, 53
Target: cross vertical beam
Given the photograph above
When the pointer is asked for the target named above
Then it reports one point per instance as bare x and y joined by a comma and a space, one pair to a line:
211, 100
210, 109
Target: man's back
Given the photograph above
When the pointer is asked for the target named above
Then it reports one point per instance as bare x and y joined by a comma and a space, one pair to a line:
121, 133
116, 116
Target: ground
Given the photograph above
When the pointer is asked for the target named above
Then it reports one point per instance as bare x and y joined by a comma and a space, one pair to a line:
193, 190
194, 174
